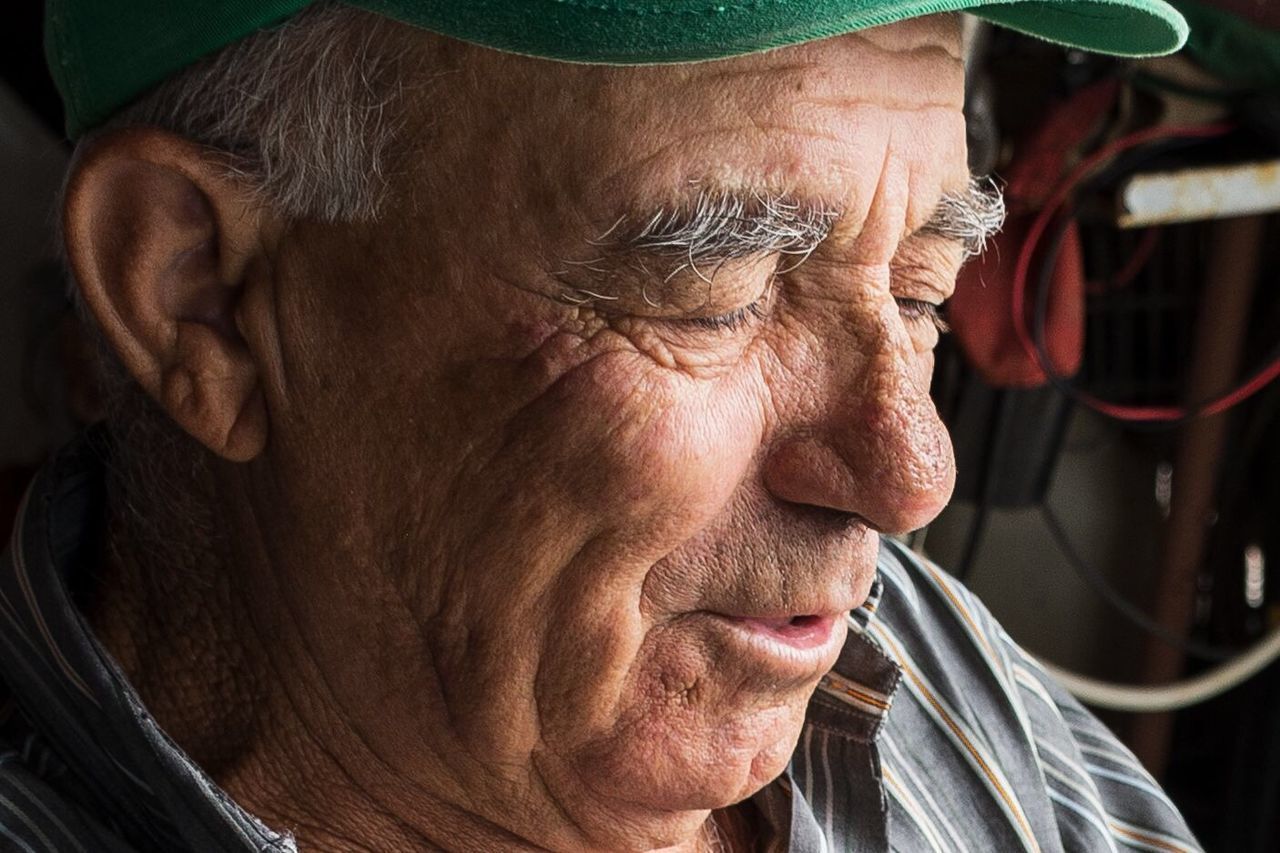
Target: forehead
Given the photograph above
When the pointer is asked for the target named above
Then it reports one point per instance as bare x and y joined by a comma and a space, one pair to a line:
869, 123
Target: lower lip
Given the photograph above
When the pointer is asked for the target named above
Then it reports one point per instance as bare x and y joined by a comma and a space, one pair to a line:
802, 632
788, 650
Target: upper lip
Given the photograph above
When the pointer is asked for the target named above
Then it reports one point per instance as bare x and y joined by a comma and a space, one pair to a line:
781, 615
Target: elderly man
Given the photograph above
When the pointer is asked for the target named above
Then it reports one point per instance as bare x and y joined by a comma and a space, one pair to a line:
500, 446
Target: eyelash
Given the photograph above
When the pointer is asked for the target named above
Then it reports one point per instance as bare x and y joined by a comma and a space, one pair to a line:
912, 309
732, 320
920, 310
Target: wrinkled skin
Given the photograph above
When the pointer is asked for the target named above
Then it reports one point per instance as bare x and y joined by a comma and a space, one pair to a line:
481, 532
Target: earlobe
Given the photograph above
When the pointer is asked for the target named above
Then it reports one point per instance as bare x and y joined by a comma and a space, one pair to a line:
161, 241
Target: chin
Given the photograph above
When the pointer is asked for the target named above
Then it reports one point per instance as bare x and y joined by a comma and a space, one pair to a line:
692, 759
706, 721
654, 783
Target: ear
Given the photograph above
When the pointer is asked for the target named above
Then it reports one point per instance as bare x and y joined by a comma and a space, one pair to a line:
160, 240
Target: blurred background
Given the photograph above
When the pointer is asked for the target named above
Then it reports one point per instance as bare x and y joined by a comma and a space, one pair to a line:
1110, 382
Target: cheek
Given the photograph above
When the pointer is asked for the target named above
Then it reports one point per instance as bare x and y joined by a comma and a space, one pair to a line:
668, 447
663, 456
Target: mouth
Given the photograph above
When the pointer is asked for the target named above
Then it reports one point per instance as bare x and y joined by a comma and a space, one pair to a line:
786, 649
800, 632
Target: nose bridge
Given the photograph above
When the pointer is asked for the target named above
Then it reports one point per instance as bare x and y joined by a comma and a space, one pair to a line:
873, 443
877, 385
889, 408
867, 364
887, 434
867, 354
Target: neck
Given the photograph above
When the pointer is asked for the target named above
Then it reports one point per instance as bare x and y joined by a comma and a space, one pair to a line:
174, 635
187, 642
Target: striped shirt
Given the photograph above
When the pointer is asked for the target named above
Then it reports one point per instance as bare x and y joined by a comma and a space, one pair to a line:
933, 732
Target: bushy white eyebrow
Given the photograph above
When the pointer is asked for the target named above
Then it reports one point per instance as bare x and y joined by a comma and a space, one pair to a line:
723, 225
972, 216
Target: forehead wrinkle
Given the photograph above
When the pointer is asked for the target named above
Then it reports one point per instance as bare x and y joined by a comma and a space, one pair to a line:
907, 41
729, 71
941, 31
673, 153
887, 102
800, 60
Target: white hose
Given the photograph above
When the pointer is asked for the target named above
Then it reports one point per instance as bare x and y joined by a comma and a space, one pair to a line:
1170, 697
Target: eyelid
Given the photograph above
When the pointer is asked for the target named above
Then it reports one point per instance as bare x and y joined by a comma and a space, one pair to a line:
740, 316
921, 310
731, 321
927, 280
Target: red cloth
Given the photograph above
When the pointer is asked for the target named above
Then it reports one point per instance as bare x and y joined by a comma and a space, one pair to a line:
981, 317
980, 312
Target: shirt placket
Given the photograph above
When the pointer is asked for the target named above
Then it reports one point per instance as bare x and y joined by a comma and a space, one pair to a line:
832, 797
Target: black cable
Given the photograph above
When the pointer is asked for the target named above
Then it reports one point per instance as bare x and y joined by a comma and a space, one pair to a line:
981, 511
1039, 337
1099, 583
972, 541
1039, 334
1095, 579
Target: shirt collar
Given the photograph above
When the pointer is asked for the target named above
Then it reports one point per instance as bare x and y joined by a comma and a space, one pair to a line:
73, 696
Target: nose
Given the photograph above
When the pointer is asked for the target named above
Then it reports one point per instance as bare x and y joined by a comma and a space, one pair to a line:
866, 438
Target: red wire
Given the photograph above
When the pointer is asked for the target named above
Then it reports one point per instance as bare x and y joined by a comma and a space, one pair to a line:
1137, 261
1245, 391
1036, 233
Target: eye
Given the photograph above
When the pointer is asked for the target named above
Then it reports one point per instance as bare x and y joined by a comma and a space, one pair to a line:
731, 321
920, 311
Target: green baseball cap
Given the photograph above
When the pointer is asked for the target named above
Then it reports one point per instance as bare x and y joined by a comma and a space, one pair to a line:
105, 53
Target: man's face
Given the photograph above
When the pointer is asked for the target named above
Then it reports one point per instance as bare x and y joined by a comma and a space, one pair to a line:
594, 491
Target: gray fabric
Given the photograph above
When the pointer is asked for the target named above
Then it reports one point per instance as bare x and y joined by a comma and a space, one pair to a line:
934, 731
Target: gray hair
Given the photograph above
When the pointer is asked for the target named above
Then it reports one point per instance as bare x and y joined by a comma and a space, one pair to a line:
972, 216
725, 225
303, 113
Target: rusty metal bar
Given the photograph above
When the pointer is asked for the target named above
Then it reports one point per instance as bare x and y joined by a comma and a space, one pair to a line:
1227, 297
1201, 193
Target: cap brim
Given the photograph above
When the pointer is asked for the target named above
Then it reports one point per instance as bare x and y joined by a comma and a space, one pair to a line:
103, 57
645, 31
